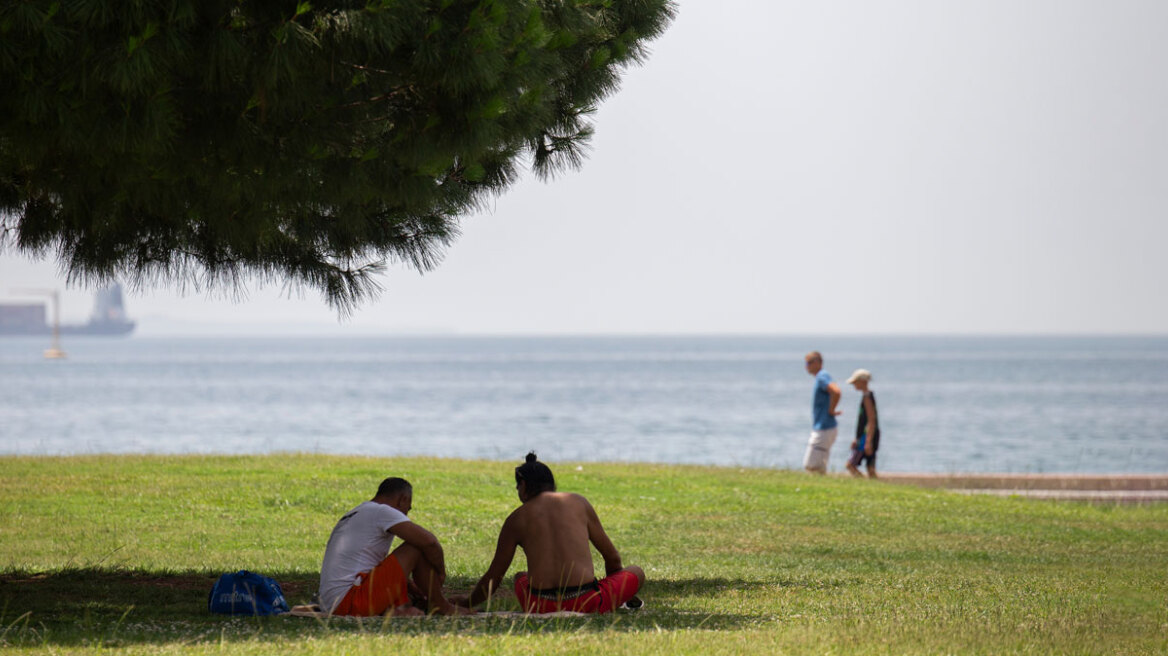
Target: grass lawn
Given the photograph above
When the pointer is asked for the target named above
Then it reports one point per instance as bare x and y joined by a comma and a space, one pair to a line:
117, 554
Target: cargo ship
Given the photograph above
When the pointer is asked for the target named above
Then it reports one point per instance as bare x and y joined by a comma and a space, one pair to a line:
108, 318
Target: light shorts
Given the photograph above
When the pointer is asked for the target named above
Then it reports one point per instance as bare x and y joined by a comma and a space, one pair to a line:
819, 448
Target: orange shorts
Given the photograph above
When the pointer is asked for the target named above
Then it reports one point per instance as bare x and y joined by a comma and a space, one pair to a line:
380, 589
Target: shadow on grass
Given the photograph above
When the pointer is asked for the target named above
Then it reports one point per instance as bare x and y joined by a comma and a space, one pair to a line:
712, 587
118, 607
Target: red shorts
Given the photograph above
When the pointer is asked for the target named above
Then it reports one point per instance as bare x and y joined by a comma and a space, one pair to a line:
380, 589
609, 593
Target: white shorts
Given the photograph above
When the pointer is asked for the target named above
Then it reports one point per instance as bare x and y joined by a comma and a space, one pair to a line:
818, 449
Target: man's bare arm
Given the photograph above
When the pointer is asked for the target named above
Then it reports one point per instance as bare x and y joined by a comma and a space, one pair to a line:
833, 390
424, 540
504, 554
599, 539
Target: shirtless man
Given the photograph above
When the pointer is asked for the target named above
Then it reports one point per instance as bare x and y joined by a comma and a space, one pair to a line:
554, 529
360, 577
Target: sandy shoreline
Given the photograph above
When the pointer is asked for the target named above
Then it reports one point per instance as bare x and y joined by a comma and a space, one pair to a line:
1098, 488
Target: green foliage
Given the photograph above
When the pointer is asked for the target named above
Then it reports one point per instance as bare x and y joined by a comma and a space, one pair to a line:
117, 554
204, 140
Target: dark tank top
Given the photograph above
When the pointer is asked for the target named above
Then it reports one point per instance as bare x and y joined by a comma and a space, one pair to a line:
862, 422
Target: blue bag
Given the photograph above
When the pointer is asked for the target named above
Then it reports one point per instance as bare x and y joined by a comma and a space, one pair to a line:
246, 593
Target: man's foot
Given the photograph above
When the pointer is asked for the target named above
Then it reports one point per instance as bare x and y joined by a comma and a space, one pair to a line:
634, 603
405, 611
459, 600
853, 471
451, 609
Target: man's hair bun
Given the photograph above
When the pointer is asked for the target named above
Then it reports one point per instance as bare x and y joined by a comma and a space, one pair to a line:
535, 475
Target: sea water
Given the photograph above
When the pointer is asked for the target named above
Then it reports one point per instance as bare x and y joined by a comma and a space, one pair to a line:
946, 404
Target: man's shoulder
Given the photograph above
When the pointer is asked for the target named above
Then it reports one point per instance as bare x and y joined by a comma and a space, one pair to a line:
516, 517
359, 509
576, 502
549, 502
823, 377
554, 506
568, 497
381, 513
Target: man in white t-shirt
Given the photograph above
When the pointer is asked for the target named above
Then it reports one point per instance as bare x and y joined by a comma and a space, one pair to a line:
359, 575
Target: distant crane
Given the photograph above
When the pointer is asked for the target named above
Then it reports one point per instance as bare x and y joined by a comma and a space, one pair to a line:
54, 351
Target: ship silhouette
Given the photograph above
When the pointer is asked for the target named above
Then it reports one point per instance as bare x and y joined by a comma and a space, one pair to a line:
108, 317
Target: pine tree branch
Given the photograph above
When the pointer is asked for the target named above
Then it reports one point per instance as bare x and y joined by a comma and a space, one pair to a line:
209, 143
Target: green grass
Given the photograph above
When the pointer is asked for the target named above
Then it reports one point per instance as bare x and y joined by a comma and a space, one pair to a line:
117, 555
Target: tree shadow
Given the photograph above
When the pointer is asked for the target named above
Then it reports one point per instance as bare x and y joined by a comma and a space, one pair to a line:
713, 586
119, 607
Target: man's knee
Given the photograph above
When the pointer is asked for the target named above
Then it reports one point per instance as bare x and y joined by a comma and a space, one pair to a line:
640, 573
407, 556
815, 462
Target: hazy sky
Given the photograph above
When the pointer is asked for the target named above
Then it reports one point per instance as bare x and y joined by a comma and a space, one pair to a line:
824, 167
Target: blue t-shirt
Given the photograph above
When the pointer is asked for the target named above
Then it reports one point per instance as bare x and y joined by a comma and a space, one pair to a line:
820, 401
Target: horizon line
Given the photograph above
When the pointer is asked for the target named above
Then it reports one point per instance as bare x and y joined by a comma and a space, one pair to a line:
451, 334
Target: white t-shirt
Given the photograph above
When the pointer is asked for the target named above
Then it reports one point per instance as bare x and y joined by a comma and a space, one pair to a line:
359, 542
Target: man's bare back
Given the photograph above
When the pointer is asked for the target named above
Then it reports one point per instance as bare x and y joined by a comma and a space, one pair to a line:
554, 530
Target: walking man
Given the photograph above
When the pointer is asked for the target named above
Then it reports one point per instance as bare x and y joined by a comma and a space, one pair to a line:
823, 414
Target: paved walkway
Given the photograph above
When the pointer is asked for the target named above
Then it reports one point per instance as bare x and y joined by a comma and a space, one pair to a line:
1127, 488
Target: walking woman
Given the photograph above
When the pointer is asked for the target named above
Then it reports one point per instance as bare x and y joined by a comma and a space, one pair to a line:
867, 426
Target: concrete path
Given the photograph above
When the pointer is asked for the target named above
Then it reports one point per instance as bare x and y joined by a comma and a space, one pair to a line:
1126, 488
